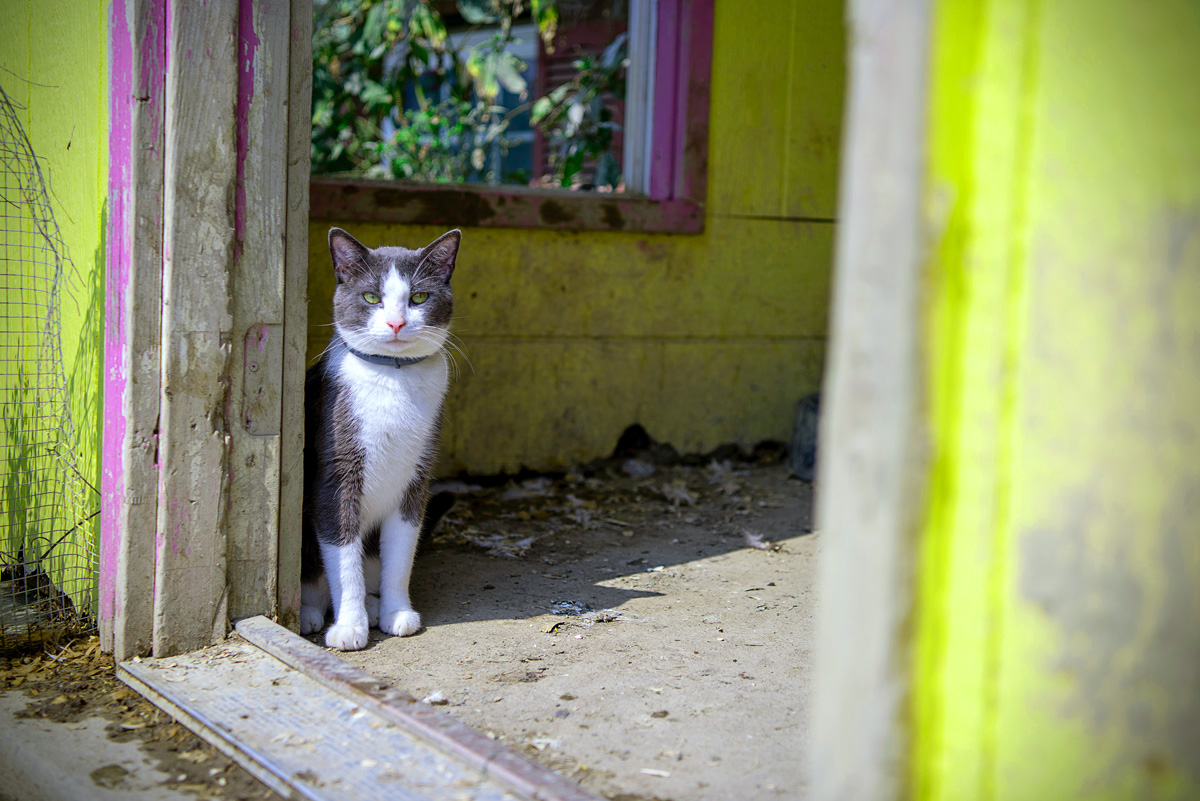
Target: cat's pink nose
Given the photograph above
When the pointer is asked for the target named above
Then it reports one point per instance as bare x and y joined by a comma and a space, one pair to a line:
396, 325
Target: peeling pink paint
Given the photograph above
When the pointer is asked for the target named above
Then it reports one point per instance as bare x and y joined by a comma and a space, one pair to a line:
248, 42
118, 258
152, 66
261, 335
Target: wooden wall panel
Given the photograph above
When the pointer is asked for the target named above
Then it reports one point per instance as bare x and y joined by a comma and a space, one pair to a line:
777, 109
135, 238
295, 308
199, 251
874, 460
257, 307
813, 129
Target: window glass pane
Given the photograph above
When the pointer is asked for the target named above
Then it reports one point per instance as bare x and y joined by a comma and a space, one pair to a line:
472, 92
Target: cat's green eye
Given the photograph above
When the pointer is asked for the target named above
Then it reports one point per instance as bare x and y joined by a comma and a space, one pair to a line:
371, 297
419, 297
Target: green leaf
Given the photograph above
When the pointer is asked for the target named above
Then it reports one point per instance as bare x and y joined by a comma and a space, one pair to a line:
478, 12
483, 73
374, 94
572, 164
508, 69
608, 170
541, 107
375, 25
546, 16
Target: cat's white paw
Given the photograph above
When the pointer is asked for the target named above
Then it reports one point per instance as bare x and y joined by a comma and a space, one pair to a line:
346, 638
400, 622
311, 619
372, 604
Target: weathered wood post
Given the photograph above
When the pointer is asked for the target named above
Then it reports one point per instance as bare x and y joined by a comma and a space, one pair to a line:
204, 353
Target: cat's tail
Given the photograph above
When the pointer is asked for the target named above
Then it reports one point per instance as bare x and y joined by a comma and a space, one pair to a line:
438, 505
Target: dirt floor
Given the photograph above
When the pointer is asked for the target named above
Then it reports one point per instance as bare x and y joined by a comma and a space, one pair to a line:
641, 628
643, 625
75, 682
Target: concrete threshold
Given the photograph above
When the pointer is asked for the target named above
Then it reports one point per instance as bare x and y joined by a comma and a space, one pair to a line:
310, 725
41, 760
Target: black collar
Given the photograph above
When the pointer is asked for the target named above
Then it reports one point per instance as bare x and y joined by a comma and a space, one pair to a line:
389, 361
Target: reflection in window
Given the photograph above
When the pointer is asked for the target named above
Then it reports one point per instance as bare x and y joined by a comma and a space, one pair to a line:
485, 91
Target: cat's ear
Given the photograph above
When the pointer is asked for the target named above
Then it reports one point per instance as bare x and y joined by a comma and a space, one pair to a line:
442, 252
349, 255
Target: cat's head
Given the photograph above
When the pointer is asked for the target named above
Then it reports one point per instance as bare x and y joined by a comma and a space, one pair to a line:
392, 301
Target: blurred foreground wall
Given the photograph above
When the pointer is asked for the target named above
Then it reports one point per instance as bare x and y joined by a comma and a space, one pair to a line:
1011, 473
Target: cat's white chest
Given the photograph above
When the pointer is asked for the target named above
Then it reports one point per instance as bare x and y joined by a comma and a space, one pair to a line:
397, 410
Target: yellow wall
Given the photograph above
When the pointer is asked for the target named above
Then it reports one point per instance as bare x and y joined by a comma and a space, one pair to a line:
702, 339
1058, 643
54, 60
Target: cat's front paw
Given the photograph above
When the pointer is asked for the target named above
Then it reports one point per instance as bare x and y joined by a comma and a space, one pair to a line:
400, 622
346, 638
311, 619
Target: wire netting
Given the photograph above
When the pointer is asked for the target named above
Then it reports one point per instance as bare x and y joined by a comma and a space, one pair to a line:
49, 559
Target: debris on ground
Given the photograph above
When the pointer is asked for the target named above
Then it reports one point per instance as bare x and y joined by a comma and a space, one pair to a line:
435, 698
509, 517
579, 614
74, 681
755, 540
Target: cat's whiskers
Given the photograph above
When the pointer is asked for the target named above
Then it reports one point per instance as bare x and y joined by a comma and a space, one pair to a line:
451, 348
455, 341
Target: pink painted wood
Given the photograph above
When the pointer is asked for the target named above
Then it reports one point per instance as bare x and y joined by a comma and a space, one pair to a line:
119, 259
465, 205
665, 147
133, 240
132, 331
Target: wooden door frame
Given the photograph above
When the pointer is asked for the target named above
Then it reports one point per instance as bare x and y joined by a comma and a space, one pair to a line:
874, 451
207, 249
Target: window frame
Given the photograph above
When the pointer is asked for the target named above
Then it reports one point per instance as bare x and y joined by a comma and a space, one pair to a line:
678, 170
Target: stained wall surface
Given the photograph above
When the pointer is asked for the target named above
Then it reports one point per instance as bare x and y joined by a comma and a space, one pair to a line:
54, 64
1058, 651
568, 338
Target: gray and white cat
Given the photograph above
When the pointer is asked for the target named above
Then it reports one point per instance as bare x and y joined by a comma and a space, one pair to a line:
374, 410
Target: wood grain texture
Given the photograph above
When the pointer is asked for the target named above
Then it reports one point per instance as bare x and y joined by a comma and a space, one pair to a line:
441, 731
312, 726
295, 309
133, 621
199, 187
257, 306
300, 738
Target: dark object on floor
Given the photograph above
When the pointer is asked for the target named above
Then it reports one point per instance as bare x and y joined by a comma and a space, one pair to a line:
802, 457
636, 443
435, 510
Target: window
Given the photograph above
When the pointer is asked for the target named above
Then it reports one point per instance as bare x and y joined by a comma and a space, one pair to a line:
661, 142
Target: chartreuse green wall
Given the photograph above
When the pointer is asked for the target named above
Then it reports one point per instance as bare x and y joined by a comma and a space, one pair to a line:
54, 65
702, 339
1058, 605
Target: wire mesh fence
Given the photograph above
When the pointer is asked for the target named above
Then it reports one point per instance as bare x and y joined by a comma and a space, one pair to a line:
48, 553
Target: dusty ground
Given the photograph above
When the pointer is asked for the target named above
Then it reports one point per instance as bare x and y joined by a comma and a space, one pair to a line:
74, 682
649, 636
643, 628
